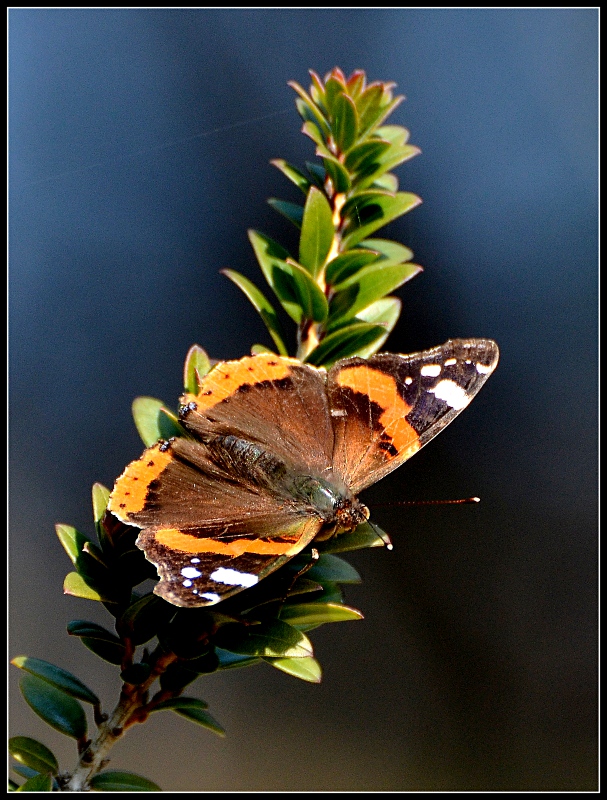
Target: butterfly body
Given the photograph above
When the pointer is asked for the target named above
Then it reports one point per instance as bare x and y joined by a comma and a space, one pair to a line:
275, 455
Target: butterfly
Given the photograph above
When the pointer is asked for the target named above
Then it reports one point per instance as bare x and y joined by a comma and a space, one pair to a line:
274, 455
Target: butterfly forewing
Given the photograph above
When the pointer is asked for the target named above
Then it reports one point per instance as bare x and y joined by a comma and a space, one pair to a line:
385, 408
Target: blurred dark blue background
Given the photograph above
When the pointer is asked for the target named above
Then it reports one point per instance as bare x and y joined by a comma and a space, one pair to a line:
139, 149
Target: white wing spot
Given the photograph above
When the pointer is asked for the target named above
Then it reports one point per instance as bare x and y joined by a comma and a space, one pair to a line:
339, 412
451, 393
483, 369
408, 381
450, 362
211, 597
431, 370
233, 577
194, 561
187, 584
190, 572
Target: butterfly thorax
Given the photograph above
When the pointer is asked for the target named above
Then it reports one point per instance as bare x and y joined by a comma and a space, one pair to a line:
251, 462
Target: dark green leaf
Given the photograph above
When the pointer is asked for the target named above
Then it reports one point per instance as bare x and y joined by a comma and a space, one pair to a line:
363, 536
262, 306
347, 264
228, 660
318, 613
368, 285
273, 638
372, 210
154, 421
37, 783
338, 174
366, 153
332, 569
98, 640
143, 618
292, 211
33, 754
317, 173
345, 122
201, 718
136, 674
306, 669
370, 172
317, 232
56, 676
122, 782
333, 89
345, 342
196, 366
309, 296
56, 708
308, 110
180, 702
368, 106
293, 174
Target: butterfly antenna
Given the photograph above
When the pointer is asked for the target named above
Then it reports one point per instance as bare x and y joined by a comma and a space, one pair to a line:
462, 501
382, 535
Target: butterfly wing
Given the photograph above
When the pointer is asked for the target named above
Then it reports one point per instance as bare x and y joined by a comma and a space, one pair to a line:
209, 534
275, 401
385, 408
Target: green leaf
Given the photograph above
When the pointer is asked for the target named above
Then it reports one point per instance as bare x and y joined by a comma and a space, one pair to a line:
72, 540
228, 660
338, 174
309, 296
75, 585
345, 122
143, 618
386, 182
395, 134
99, 640
293, 174
272, 638
394, 251
308, 110
345, 342
201, 718
363, 536
292, 211
372, 210
122, 782
196, 366
366, 153
317, 232
368, 285
332, 569
262, 306
154, 421
383, 312
311, 129
101, 495
317, 173
347, 264
371, 172
56, 708
37, 783
57, 677
306, 669
180, 702
33, 754
368, 106
318, 613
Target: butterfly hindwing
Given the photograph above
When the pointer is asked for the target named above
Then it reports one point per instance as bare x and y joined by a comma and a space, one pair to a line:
385, 408
209, 533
